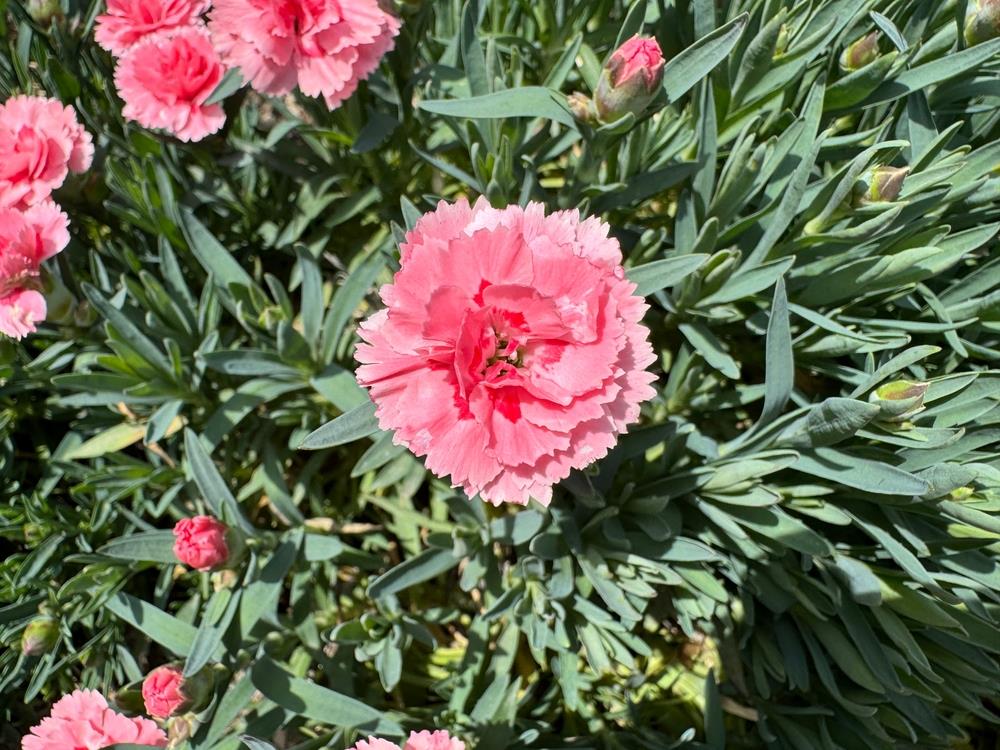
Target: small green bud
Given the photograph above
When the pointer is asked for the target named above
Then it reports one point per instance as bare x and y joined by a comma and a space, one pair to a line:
58, 299
582, 107
44, 12
880, 185
781, 44
40, 636
899, 400
861, 52
982, 21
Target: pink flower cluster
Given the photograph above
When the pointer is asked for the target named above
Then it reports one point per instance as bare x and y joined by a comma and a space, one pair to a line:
167, 67
83, 720
511, 349
170, 61
438, 740
41, 142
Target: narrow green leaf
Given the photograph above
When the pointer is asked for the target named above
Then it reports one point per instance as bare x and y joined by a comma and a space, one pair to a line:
305, 698
428, 564
661, 274
690, 66
359, 422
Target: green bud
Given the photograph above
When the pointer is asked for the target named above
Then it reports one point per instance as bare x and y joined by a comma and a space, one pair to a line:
982, 21
781, 44
861, 52
58, 299
40, 636
879, 185
44, 12
899, 400
582, 107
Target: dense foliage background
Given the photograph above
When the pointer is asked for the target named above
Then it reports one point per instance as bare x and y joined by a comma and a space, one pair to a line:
767, 560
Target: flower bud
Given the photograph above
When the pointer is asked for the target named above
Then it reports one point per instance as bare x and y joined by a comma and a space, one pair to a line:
861, 52
899, 400
582, 107
166, 692
880, 185
205, 543
982, 21
630, 80
40, 636
43, 12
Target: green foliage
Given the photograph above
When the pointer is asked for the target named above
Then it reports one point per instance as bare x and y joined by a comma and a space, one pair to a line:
782, 554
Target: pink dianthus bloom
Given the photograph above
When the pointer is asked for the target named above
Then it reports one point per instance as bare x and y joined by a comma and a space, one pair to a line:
511, 350
82, 720
128, 21
438, 740
165, 80
325, 47
26, 239
40, 142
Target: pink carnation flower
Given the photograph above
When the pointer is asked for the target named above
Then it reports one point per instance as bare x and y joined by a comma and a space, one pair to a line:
26, 239
439, 740
200, 542
511, 350
128, 21
40, 142
324, 46
82, 720
165, 80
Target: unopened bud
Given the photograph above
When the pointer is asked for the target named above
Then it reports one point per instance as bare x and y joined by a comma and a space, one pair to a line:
205, 543
166, 692
982, 21
861, 52
582, 107
631, 79
43, 12
899, 400
40, 636
880, 185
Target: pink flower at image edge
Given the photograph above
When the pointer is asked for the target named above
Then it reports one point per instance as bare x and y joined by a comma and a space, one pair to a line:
83, 720
27, 238
425, 740
511, 348
41, 140
129, 21
200, 542
165, 80
324, 47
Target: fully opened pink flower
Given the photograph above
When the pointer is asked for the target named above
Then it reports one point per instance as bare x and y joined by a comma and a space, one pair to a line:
511, 349
201, 543
128, 21
438, 740
82, 720
40, 142
26, 239
325, 47
165, 80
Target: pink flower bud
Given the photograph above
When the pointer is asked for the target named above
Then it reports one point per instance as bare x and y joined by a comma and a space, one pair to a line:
203, 543
166, 692
631, 78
